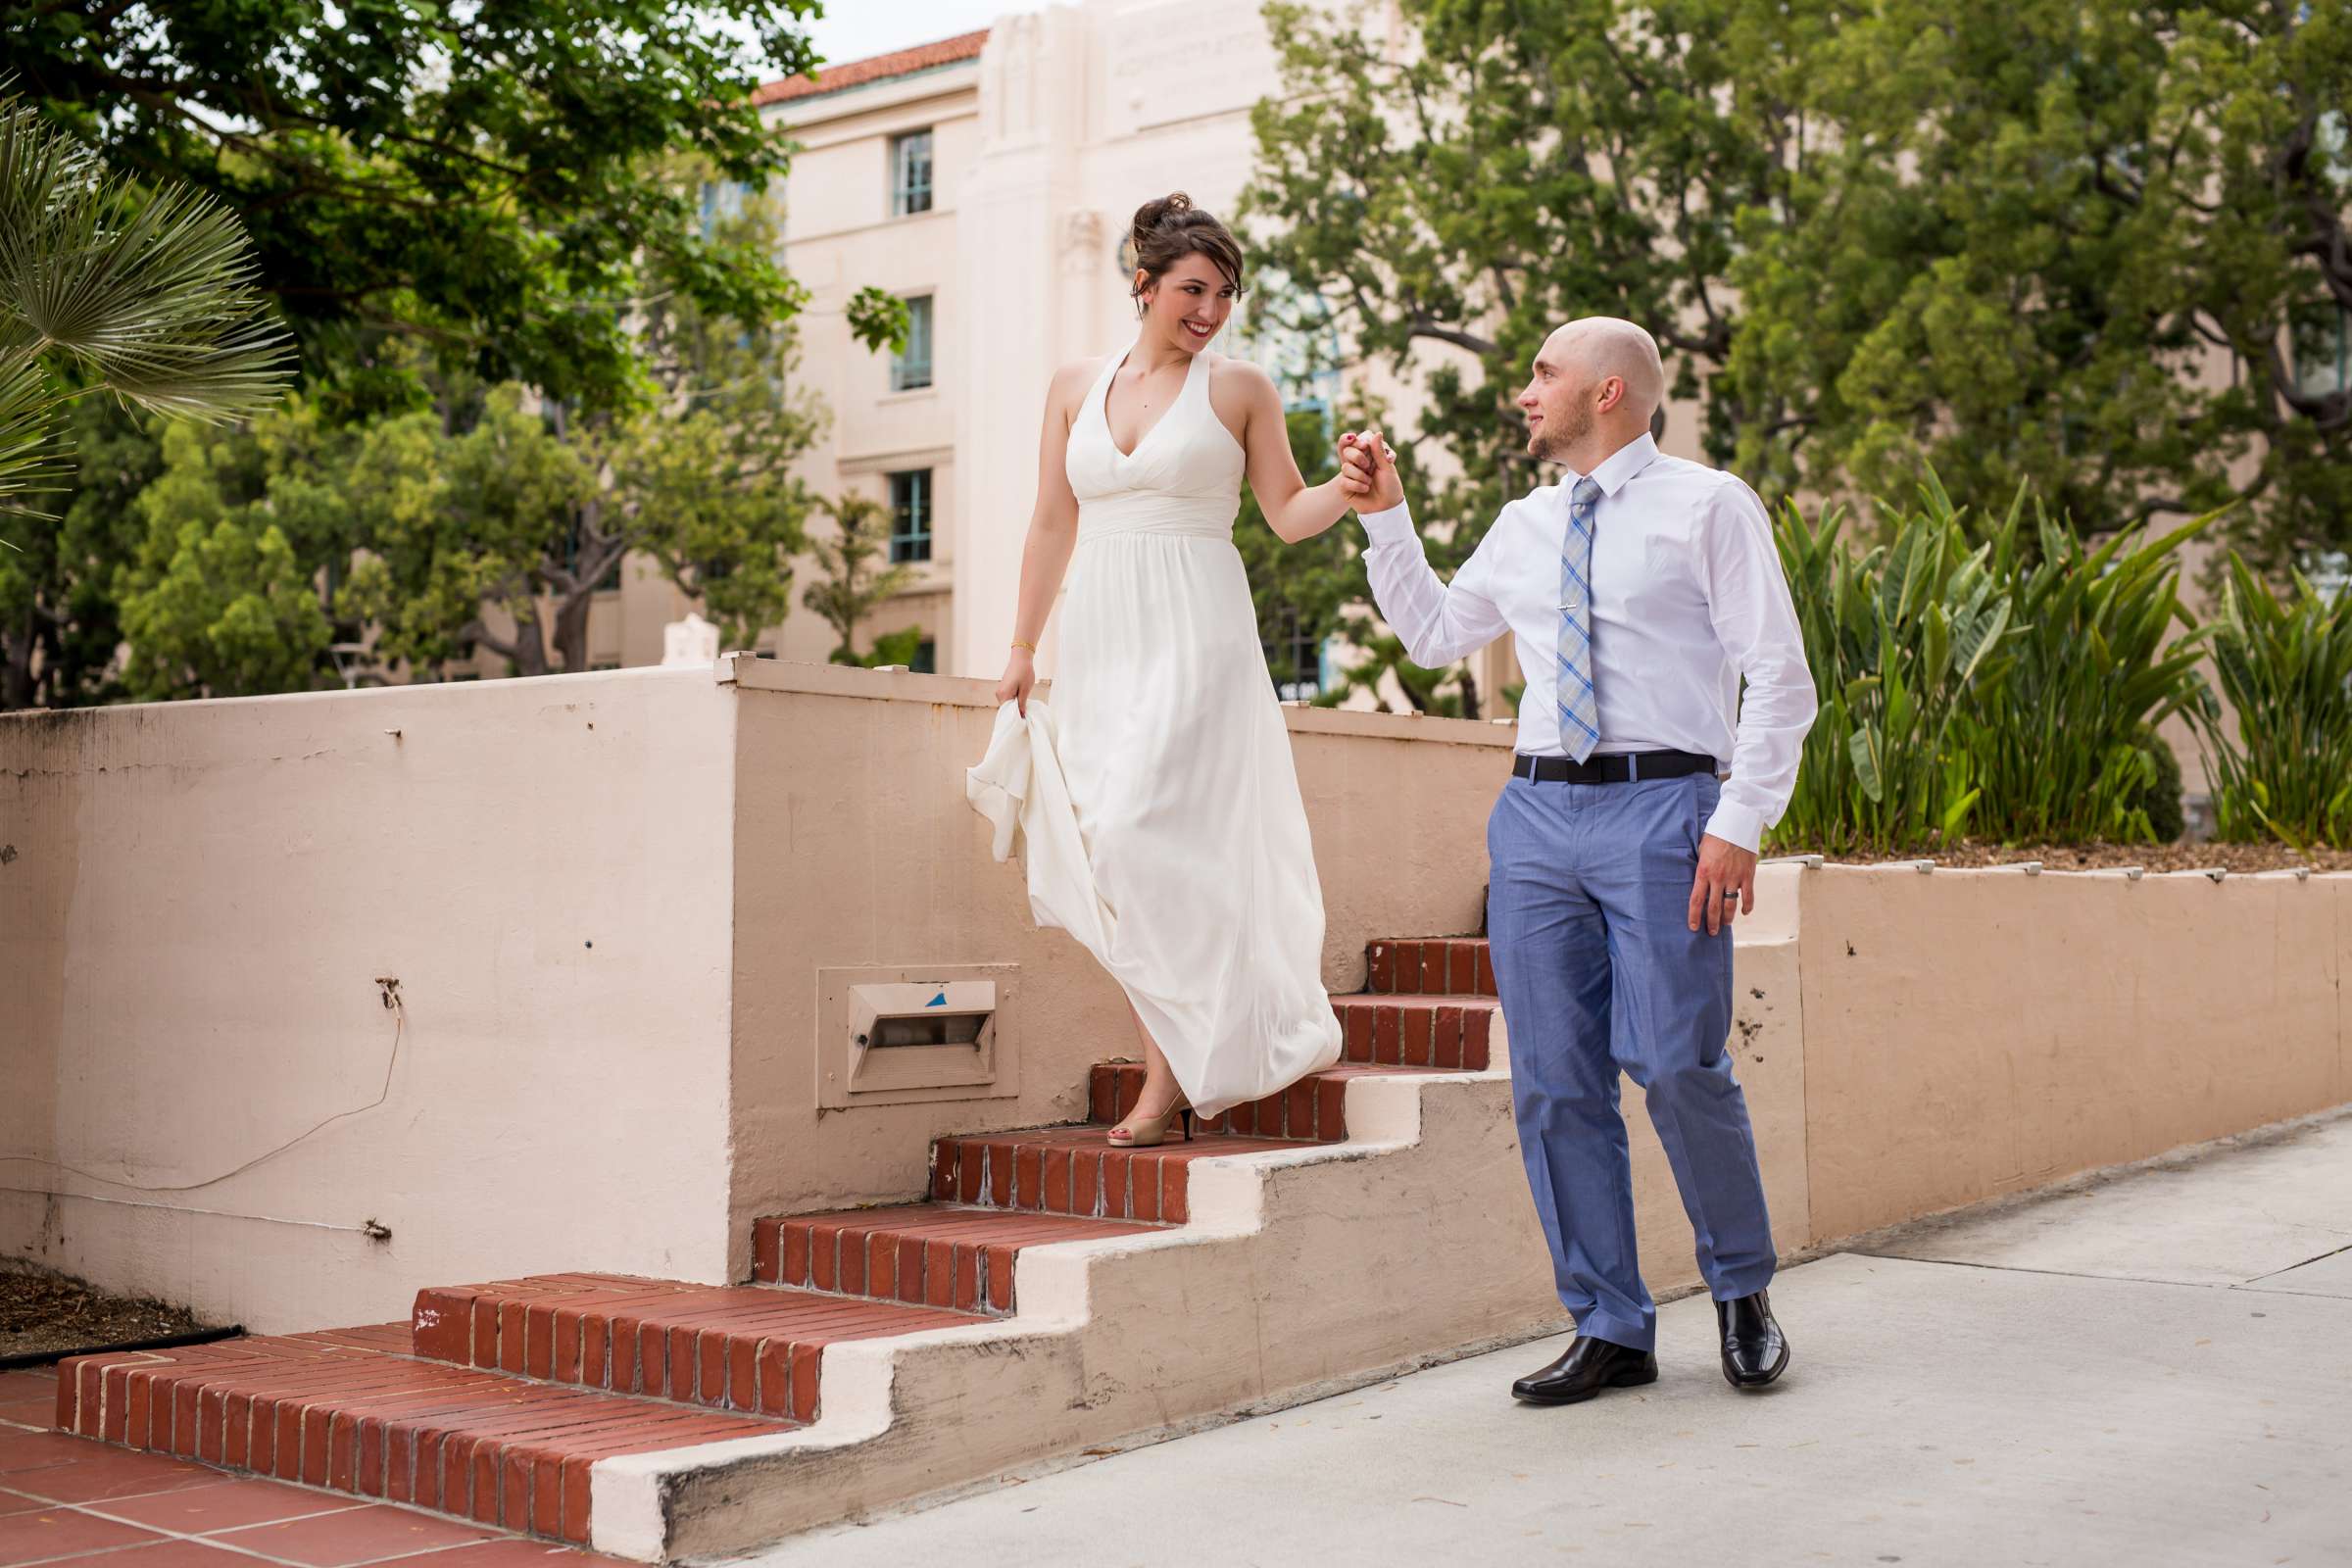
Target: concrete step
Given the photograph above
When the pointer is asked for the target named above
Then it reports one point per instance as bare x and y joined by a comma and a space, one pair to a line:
728, 1347
1442, 1032
343, 1409
941, 1254
1423, 966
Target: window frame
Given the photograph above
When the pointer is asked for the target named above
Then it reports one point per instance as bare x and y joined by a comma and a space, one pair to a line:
926, 515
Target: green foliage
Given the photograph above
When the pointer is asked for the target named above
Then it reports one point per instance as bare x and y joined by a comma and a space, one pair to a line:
1968, 690
486, 181
1450, 693
60, 626
898, 648
2063, 240
469, 536
2287, 667
2160, 800
2086, 243
1299, 590
1894, 636
855, 578
108, 288
1515, 164
217, 601
2103, 651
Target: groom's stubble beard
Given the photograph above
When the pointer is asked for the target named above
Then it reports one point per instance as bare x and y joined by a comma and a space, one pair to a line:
1561, 432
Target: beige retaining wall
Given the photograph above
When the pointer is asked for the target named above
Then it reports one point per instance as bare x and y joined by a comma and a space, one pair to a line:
199, 901
196, 901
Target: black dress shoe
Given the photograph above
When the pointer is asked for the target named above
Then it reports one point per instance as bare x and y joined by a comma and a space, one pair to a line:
1754, 1349
1589, 1367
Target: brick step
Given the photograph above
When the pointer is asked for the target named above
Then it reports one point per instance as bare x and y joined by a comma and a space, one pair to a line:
1312, 1110
941, 1254
1443, 1032
1075, 1170
742, 1348
339, 1410
1422, 966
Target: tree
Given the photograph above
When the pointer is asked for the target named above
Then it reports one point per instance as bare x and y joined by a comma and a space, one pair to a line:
1517, 164
2092, 245
487, 181
1299, 590
851, 586
218, 601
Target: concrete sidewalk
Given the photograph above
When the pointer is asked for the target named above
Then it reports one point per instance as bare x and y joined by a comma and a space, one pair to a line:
2155, 1368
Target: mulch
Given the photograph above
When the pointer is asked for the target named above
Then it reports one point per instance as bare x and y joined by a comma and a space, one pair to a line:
42, 1312
2180, 856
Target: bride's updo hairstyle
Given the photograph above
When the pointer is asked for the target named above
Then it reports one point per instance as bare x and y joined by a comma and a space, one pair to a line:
1170, 229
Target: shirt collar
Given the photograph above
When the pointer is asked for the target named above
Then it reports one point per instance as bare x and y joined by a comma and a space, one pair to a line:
1617, 467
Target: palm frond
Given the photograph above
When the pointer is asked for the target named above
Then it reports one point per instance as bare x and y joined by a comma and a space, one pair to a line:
150, 295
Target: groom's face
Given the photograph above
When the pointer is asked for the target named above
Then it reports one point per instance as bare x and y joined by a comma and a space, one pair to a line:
1559, 412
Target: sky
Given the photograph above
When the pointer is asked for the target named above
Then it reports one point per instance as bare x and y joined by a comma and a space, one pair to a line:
852, 29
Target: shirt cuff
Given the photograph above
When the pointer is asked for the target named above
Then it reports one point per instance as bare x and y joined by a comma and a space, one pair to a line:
1740, 826
1393, 526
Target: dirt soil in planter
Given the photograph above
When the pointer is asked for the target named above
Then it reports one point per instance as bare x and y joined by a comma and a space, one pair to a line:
2183, 856
41, 1311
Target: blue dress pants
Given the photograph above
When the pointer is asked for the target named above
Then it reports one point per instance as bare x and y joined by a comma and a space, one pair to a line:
1587, 914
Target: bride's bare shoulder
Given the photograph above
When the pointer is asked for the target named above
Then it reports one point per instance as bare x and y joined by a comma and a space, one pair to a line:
1070, 383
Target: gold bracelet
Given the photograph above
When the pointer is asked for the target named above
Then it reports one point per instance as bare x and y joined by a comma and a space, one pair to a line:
1017, 643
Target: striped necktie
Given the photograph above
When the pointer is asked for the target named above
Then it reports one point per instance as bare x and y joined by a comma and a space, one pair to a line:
1580, 706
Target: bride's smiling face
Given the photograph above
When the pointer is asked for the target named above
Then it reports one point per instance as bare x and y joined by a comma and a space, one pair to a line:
1189, 302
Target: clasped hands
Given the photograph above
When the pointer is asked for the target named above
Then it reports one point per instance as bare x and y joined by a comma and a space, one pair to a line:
1726, 883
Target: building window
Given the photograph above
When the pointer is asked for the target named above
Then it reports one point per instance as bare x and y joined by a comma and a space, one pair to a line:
910, 174
910, 516
2322, 345
1294, 660
926, 657
912, 366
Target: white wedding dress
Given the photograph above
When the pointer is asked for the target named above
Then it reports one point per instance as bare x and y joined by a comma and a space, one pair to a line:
1156, 793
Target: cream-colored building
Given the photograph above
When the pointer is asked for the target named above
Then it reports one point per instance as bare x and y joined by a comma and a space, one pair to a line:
988, 180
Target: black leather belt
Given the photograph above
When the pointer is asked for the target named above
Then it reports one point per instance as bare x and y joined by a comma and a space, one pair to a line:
1614, 767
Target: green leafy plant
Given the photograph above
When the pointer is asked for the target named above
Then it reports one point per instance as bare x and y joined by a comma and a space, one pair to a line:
1896, 636
855, 578
2102, 651
2286, 665
105, 287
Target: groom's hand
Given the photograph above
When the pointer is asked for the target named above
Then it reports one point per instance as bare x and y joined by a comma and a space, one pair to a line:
1723, 869
1368, 472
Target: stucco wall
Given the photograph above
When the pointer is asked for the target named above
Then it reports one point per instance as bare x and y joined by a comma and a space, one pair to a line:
199, 903
1975, 1033
857, 848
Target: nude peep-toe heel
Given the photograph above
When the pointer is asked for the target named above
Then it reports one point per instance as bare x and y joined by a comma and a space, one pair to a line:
1149, 1132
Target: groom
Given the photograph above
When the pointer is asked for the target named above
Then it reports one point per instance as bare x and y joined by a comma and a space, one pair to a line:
1640, 590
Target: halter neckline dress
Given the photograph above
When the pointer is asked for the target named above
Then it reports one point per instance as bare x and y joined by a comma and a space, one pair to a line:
1155, 797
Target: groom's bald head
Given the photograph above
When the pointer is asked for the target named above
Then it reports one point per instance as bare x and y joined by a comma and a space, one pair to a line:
1606, 345
1599, 383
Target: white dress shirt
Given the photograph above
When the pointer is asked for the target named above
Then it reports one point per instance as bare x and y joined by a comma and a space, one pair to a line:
1688, 597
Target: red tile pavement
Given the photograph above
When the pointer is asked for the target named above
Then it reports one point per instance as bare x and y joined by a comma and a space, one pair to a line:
106, 1474
188, 1515
362, 1534
35, 1451
63, 1533
166, 1554
226, 1503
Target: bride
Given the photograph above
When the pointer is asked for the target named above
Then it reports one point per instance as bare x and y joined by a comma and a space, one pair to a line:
1156, 791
